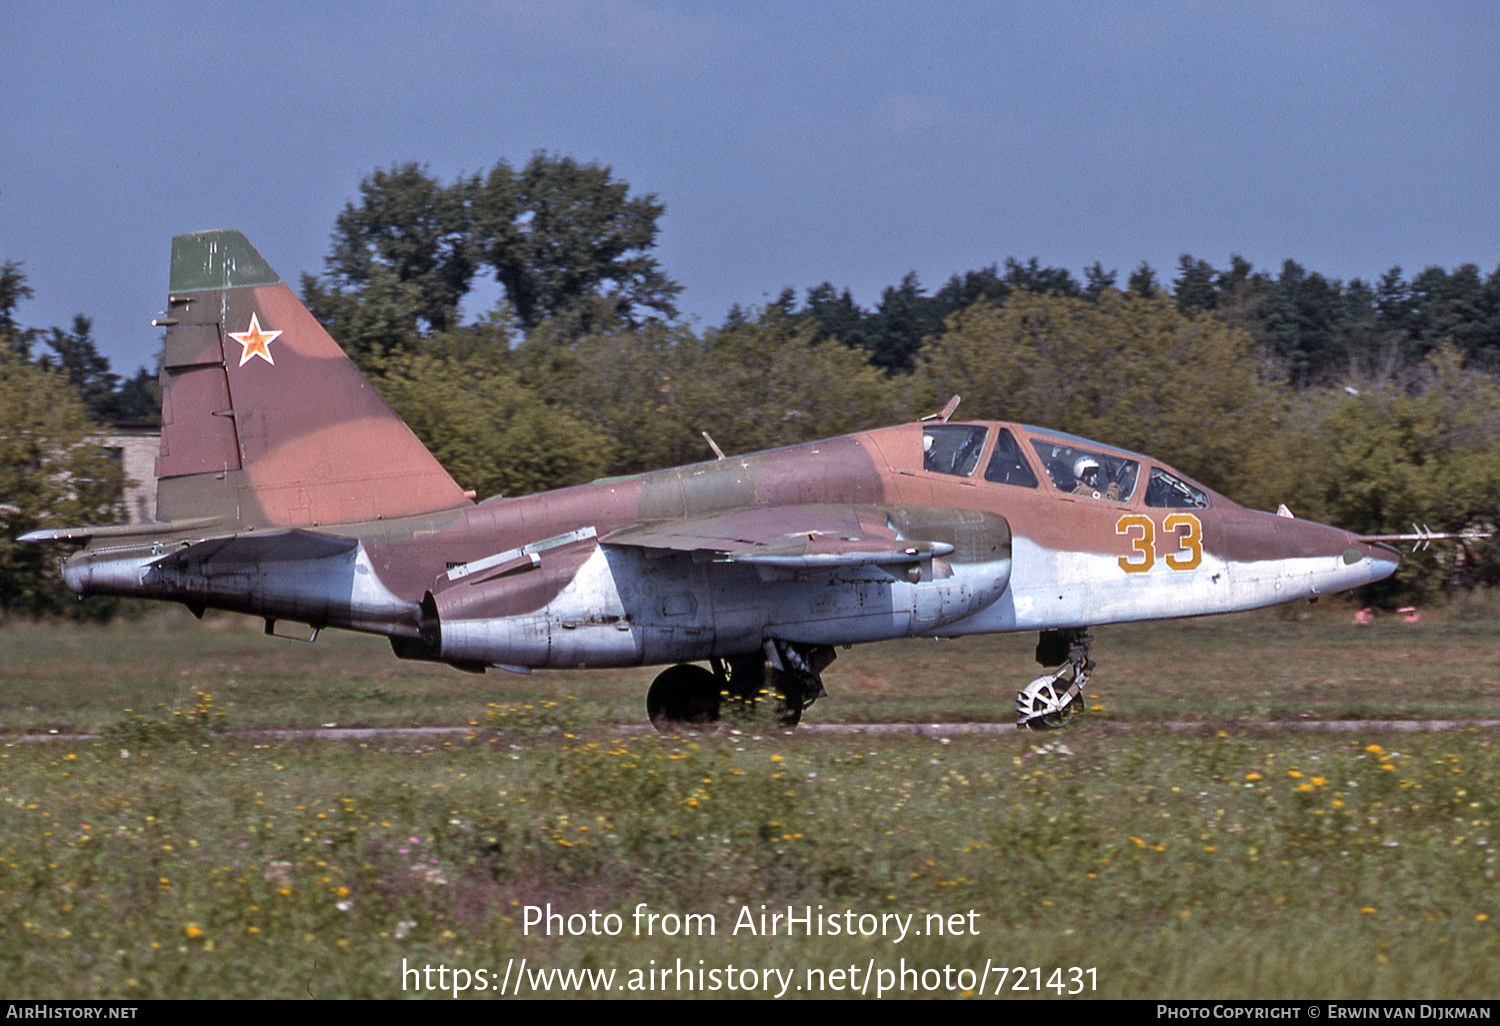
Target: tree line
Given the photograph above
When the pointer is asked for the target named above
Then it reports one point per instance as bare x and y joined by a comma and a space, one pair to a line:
1368, 405
1311, 329
56, 393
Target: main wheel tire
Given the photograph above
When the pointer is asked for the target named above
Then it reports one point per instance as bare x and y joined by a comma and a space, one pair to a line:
683, 696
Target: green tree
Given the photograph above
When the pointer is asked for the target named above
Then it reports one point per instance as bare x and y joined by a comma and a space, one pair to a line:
76, 355
414, 229
626, 382
906, 317
1097, 281
14, 341
835, 313
769, 383
1129, 370
139, 398
558, 232
1033, 277
760, 382
378, 319
1460, 306
1299, 325
1393, 302
893, 333
1142, 280
1240, 294
564, 240
1371, 354
1194, 286
1425, 450
983, 285
491, 432
54, 472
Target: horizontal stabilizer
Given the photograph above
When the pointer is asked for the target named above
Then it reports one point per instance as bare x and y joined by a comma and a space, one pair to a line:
117, 531
263, 547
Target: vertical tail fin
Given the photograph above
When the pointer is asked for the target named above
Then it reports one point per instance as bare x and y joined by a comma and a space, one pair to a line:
265, 421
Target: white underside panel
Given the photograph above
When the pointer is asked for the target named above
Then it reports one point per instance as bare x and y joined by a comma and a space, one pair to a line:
1051, 589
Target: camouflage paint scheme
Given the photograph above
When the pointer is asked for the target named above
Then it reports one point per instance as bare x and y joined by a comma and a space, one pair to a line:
288, 489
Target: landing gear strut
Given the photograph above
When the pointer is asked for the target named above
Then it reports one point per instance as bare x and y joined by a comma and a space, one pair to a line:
772, 687
758, 690
1054, 698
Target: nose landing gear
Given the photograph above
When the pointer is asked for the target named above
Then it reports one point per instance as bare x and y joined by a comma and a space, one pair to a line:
1053, 699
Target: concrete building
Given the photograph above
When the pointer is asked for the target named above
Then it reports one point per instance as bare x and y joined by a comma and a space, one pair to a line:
136, 447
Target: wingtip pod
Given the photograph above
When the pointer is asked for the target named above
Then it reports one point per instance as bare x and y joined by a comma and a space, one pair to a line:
220, 259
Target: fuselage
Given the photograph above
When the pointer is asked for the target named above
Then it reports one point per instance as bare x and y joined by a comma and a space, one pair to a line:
1029, 529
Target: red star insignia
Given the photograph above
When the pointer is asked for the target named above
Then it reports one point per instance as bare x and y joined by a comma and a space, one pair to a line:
255, 341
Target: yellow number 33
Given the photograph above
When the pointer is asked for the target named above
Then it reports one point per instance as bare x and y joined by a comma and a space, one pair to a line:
1141, 530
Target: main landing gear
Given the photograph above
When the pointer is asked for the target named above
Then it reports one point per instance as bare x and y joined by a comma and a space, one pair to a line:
760, 690
1053, 699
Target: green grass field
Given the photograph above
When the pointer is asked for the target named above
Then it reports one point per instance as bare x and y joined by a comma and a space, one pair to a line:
176, 856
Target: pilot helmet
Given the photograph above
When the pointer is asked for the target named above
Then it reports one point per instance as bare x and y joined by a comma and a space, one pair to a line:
1086, 469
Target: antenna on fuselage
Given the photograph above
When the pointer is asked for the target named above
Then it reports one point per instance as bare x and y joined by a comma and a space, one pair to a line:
712, 445
947, 411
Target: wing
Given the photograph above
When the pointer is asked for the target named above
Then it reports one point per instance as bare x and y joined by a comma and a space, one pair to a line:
789, 537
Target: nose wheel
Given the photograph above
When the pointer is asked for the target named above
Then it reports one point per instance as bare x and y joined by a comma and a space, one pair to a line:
1047, 702
1054, 699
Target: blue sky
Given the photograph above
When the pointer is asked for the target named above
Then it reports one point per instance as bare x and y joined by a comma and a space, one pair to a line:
792, 143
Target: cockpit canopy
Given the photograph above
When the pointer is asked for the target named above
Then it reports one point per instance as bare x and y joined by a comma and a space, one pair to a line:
1075, 466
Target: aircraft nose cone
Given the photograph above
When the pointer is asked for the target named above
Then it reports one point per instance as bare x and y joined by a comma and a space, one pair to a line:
1379, 559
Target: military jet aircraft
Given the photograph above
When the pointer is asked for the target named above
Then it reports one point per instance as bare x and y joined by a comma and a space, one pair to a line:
288, 489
